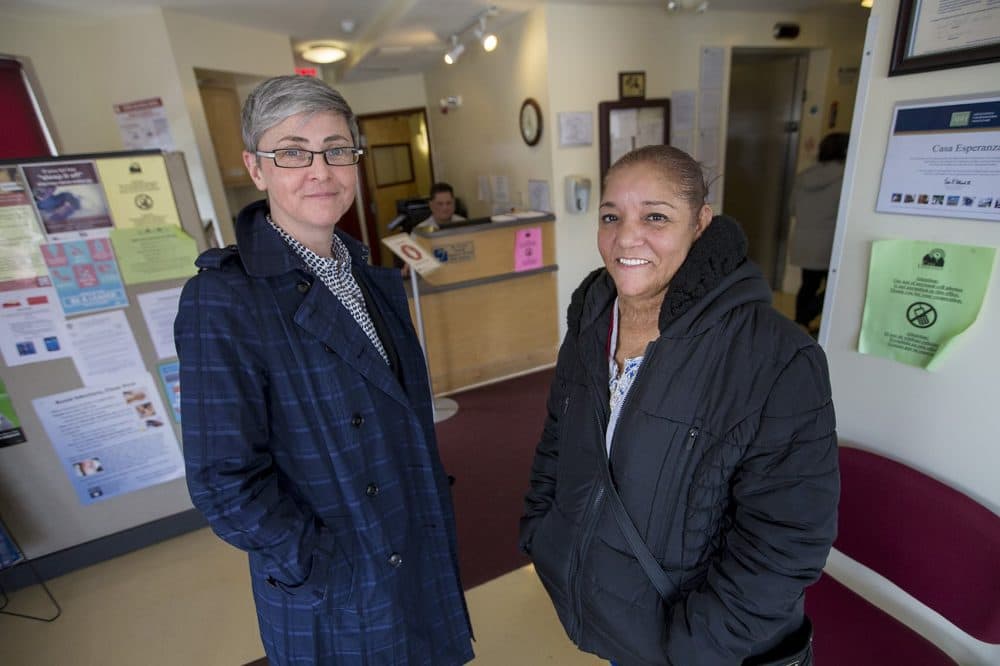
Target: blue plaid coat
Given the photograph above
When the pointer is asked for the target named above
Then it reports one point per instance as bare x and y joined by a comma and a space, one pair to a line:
306, 450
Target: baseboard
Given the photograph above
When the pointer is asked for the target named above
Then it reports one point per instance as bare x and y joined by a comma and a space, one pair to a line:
92, 552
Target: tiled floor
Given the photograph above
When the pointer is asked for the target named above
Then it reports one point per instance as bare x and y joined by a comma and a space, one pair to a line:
187, 601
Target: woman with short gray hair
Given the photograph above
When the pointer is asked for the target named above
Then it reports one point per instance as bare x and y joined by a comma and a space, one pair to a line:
308, 431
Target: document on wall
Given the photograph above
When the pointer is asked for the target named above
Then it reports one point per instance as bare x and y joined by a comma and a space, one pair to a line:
159, 309
682, 106
922, 297
713, 62
85, 275
943, 160
104, 347
947, 25
112, 439
710, 109
32, 327
139, 192
539, 196
170, 376
143, 124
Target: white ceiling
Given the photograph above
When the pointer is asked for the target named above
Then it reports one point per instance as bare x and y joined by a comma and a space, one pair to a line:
390, 37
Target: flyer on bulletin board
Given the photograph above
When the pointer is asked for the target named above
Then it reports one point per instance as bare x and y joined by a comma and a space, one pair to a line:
139, 192
922, 297
85, 275
69, 199
112, 439
21, 264
10, 425
154, 254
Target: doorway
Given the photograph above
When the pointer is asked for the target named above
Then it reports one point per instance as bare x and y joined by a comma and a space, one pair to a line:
766, 90
397, 165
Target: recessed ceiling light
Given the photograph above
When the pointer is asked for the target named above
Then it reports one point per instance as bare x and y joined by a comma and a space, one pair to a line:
324, 54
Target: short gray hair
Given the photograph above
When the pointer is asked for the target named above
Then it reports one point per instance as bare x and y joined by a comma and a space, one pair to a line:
282, 97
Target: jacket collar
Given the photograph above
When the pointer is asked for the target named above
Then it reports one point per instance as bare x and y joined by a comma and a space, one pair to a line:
265, 253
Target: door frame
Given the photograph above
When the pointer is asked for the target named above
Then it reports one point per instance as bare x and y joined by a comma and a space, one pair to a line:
366, 194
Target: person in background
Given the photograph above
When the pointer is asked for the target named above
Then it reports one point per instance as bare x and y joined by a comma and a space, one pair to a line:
815, 198
684, 491
442, 203
308, 427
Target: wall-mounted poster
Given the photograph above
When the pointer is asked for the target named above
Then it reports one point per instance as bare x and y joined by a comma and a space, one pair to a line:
943, 160
112, 439
21, 265
85, 275
10, 425
138, 191
69, 199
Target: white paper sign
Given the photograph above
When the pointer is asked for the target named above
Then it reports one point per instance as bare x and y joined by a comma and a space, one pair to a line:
32, 327
407, 249
159, 309
104, 347
112, 439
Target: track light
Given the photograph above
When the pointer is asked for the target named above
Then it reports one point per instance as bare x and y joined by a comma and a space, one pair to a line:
457, 49
488, 39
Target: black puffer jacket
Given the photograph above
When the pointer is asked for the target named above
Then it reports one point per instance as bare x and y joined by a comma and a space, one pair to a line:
725, 457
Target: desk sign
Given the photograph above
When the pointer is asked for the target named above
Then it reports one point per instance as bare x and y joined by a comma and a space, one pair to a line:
416, 257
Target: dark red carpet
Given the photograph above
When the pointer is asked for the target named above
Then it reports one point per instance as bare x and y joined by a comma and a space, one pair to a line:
488, 447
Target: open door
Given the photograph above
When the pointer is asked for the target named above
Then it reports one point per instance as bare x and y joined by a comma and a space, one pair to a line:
397, 165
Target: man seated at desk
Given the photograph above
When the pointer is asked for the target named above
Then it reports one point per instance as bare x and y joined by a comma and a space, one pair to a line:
442, 203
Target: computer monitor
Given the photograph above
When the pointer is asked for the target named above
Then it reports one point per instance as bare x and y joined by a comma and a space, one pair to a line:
409, 213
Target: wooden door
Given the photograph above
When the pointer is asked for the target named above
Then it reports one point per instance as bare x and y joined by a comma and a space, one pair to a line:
222, 113
387, 176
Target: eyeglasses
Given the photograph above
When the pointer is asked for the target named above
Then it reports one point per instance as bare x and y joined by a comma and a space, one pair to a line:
296, 158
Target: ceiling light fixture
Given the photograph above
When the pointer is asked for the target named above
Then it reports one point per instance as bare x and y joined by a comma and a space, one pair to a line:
700, 6
324, 54
867, 3
456, 50
488, 40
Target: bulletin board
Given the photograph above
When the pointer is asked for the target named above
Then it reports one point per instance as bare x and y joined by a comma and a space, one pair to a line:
94, 250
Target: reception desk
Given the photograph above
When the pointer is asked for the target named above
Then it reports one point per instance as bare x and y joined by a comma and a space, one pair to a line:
486, 314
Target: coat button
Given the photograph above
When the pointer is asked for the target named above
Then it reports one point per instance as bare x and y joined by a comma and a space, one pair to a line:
357, 420
270, 581
371, 490
395, 560
303, 287
328, 348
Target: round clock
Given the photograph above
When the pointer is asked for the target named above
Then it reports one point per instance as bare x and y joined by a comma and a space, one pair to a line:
531, 122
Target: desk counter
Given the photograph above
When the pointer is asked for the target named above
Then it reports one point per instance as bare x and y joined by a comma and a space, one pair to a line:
486, 315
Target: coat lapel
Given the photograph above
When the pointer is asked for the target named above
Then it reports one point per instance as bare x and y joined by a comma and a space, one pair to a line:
324, 317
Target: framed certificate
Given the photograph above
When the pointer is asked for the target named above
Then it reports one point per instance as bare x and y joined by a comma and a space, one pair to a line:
629, 124
938, 34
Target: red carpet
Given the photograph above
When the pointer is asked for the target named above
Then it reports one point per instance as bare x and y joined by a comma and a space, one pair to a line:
488, 447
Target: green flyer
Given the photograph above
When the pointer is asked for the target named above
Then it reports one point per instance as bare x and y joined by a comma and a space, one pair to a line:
10, 426
154, 253
922, 296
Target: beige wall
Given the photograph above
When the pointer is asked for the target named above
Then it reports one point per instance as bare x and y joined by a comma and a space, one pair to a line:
482, 137
589, 44
84, 65
388, 94
224, 47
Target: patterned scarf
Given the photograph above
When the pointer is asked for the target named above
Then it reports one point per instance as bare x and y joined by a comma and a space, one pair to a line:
335, 272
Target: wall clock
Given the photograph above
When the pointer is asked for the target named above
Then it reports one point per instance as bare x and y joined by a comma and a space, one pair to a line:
530, 120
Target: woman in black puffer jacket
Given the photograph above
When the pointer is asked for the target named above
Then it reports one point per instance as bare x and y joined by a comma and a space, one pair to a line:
710, 415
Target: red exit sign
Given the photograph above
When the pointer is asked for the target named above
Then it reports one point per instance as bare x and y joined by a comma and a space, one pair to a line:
306, 71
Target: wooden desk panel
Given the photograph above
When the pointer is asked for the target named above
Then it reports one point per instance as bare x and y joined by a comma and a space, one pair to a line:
485, 332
